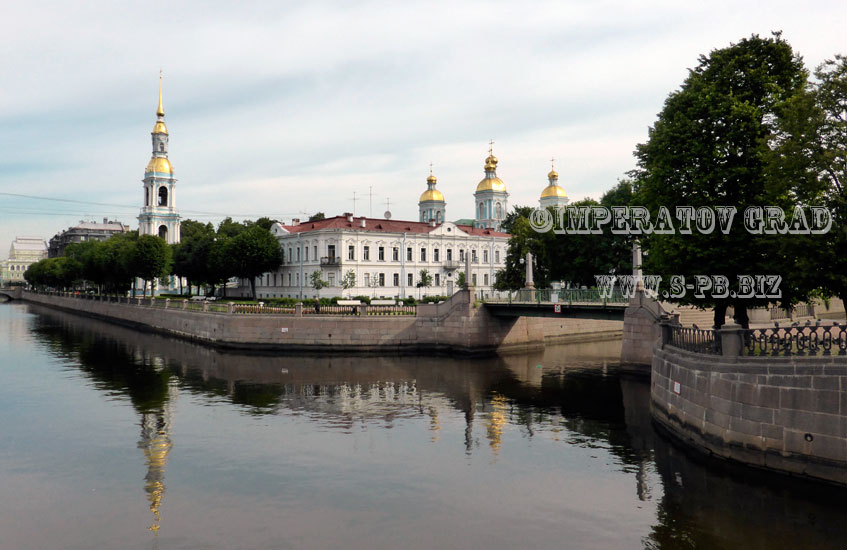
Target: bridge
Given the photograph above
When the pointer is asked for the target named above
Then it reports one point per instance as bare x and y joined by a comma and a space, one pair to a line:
10, 293
564, 303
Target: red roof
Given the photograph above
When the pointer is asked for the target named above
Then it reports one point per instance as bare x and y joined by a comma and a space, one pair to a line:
383, 226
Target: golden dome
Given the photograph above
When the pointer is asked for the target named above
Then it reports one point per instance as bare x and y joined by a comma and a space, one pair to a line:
553, 175
432, 195
431, 179
553, 191
491, 184
160, 165
160, 128
491, 162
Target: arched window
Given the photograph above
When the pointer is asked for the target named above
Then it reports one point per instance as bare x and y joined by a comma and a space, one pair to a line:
163, 232
481, 211
163, 196
146, 197
438, 217
161, 147
498, 211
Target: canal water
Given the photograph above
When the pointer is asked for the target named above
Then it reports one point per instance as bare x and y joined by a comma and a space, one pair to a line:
112, 438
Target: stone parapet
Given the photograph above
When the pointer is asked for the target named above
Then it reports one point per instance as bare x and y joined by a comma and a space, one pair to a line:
787, 414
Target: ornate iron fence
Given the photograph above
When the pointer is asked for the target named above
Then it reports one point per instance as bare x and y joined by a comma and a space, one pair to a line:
811, 339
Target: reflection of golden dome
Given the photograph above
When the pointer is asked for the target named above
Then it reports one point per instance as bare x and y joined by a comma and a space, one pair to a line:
491, 184
553, 191
159, 165
160, 128
432, 195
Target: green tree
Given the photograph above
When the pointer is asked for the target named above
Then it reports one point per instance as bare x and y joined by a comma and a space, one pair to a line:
349, 280
316, 282
317, 217
151, 260
251, 253
511, 217
461, 280
710, 147
424, 279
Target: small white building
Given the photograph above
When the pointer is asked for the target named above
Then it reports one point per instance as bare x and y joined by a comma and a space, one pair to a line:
385, 256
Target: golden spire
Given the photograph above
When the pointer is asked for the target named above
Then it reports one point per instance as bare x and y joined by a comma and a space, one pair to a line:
160, 111
491, 161
553, 175
431, 178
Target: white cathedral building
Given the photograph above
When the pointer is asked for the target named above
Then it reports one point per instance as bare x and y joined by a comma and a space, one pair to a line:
387, 256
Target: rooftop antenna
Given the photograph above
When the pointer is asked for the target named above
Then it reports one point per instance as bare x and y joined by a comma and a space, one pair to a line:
387, 214
354, 203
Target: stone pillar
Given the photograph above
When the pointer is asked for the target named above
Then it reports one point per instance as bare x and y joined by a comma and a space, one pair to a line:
298, 309
363, 310
530, 284
468, 278
184, 305
152, 301
230, 308
205, 305
167, 303
732, 340
666, 326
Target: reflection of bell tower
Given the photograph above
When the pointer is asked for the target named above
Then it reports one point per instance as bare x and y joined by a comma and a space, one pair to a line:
156, 443
496, 421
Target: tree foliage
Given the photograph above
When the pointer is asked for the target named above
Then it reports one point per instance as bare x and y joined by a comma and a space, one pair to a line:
252, 252
712, 145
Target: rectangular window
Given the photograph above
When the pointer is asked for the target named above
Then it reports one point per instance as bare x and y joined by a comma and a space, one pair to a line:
330, 251
485, 256
289, 279
351, 252
298, 278
382, 279
437, 279
367, 279
409, 254
449, 254
290, 256
306, 253
496, 256
396, 278
298, 254
485, 279
461, 255
315, 252
435, 255
473, 278
381, 253
331, 279
395, 254
423, 254
473, 256
366, 253
409, 277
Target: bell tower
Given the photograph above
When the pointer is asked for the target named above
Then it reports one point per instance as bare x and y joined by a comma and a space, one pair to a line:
159, 215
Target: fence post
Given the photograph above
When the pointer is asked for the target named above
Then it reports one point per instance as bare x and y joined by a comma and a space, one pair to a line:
184, 305
230, 308
298, 309
167, 303
363, 309
732, 339
152, 301
667, 330
205, 305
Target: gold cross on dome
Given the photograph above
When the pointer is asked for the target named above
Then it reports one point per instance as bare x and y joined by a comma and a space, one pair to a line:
552, 162
430, 168
491, 147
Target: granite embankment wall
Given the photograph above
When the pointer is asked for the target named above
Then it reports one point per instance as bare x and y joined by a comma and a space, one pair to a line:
780, 413
455, 325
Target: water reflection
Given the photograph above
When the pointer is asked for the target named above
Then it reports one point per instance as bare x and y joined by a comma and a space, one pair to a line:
564, 398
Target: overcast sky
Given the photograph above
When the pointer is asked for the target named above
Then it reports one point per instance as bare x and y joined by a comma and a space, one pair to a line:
284, 109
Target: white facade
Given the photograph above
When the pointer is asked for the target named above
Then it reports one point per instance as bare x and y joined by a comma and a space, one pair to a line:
24, 252
386, 257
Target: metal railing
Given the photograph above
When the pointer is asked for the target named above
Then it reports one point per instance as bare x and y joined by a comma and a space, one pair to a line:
572, 296
329, 260
811, 339
698, 340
